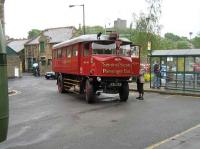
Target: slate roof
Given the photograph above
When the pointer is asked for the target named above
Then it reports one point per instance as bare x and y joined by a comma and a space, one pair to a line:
17, 45
10, 51
55, 35
176, 52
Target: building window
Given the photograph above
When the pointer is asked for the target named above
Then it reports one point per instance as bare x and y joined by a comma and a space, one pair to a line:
49, 61
34, 60
29, 52
43, 61
42, 46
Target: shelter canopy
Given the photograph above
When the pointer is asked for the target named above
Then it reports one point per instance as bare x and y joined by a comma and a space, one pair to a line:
180, 52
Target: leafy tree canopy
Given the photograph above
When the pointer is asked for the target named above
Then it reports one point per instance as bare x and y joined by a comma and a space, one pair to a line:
94, 29
33, 33
196, 41
183, 44
172, 37
90, 30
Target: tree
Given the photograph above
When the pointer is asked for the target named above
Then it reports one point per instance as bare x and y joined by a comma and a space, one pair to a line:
94, 29
183, 44
196, 41
148, 27
172, 37
33, 33
167, 44
153, 16
90, 30
142, 23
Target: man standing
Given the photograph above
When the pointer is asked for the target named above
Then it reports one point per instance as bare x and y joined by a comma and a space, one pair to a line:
156, 80
140, 83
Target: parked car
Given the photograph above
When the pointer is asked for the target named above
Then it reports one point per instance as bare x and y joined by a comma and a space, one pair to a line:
50, 75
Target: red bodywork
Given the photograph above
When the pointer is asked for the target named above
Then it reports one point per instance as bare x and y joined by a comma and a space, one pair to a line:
95, 65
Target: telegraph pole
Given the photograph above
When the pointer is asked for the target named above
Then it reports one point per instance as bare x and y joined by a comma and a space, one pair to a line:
3, 78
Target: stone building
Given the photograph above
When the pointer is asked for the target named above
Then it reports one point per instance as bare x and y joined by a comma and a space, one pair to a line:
13, 63
18, 46
39, 49
120, 24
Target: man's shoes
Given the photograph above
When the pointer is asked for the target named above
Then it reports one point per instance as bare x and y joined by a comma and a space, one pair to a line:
141, 98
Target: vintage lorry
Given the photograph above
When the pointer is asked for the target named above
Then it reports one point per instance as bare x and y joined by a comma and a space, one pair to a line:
91, 64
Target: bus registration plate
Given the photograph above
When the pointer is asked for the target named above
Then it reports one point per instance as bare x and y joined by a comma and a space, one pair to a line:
115, 84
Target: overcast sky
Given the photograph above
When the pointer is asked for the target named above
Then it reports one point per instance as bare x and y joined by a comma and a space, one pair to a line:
178, 16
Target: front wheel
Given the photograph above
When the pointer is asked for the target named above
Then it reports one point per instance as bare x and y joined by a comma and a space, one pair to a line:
89, 92
124, 92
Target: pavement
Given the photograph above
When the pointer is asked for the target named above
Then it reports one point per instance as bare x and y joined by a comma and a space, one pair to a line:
162, 90
186, 139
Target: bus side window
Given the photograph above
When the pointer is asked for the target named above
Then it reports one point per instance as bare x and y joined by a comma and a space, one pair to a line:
135, 50
63, 53
86, 49
75, 52
68, 53
59, 53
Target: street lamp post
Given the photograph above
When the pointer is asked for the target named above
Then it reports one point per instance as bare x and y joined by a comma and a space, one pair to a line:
83, 15
190, 33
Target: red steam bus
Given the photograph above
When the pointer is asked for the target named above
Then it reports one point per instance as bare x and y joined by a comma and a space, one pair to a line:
91, 64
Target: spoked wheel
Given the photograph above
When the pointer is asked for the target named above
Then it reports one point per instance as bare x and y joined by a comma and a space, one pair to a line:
60, 84
124, 92
89, 92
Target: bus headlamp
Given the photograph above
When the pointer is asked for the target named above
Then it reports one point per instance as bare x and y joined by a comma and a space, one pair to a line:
99, 79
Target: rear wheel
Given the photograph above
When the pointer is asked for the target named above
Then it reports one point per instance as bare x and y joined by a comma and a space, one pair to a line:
60, 84
89, 92
124, 92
